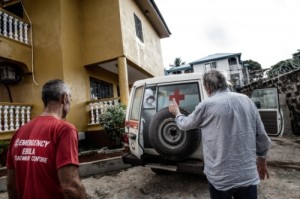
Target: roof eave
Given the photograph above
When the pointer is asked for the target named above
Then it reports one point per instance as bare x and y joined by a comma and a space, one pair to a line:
153, 14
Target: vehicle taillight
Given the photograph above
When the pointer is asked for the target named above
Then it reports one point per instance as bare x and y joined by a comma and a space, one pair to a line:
125, 142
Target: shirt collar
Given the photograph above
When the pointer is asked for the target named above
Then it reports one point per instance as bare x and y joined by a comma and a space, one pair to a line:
219, 91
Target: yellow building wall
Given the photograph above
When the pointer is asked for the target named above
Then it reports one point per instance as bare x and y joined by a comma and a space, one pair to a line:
146, 55
104, 75
74, 74
46, 22
101, 31
16, 51
45, 19
57, 49
70, 34
20, 92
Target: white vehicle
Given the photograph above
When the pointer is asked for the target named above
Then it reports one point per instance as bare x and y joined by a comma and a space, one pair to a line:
154, 139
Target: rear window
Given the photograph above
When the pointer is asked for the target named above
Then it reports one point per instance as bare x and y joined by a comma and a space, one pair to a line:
136, 104
186, 95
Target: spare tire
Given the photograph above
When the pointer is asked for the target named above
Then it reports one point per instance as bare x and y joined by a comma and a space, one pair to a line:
168, 140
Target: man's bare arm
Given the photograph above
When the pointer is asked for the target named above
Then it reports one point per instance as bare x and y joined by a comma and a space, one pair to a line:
11, 184
262, 168
70, 182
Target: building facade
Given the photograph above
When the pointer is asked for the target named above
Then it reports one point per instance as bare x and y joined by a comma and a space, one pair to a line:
98, 47
230, 63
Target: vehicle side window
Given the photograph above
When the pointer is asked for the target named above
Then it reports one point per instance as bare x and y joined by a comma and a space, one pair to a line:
265, 98
136, 105
149, 98
186, 95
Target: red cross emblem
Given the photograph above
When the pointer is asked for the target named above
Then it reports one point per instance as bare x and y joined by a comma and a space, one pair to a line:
176, 96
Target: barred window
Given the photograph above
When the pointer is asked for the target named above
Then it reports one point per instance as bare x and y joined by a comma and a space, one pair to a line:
100, 89
138, 28
213, 65
232, 61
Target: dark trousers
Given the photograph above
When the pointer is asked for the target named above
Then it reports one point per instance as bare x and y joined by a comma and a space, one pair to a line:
249, 192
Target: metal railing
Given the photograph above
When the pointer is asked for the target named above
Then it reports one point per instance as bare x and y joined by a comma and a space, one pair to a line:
13, 27
13, 115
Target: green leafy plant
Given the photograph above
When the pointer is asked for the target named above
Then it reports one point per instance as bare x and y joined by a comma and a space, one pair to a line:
4, 144
113, 122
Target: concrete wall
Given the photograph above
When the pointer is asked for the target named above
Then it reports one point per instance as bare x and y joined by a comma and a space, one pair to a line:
289, 89
87, 169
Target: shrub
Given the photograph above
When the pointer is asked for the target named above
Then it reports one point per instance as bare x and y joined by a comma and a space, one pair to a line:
3, 151
113, 122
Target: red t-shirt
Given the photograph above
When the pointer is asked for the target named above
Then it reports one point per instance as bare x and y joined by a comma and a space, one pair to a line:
36, 151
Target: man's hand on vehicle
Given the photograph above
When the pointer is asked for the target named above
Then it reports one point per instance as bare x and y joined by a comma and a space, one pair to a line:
173, 107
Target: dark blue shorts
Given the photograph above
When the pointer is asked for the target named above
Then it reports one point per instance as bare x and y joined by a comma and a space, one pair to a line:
249, 192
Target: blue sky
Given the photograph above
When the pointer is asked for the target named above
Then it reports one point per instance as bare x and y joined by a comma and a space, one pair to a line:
266, 31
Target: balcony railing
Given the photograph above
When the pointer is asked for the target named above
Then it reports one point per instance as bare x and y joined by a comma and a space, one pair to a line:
98, 107
13, 115
13, 27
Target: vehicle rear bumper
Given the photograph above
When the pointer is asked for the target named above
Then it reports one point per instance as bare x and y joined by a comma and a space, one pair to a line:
187, 166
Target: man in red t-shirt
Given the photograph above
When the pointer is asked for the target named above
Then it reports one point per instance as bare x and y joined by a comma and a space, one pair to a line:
42, 161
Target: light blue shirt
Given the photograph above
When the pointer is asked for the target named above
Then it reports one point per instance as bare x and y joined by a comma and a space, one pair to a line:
232, 136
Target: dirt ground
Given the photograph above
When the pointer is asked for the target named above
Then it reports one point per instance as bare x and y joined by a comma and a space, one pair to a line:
142, 183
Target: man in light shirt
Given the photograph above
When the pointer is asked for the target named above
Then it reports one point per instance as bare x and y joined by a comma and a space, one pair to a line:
235, 143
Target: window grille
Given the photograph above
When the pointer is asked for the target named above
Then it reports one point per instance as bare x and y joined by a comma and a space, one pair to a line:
138, 28
232, 61
213, 65
100, 89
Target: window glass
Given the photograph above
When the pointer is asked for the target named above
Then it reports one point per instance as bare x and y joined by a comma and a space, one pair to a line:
187, 96
138, 28
176, 72
207, 67
232, 61
149, 98
100, 89
235, 78
213, 65
136, 105
188, 71
265, 98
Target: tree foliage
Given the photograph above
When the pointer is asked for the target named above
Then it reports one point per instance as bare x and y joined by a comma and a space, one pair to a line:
177, 62
281, 68
252, 65
285, 66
